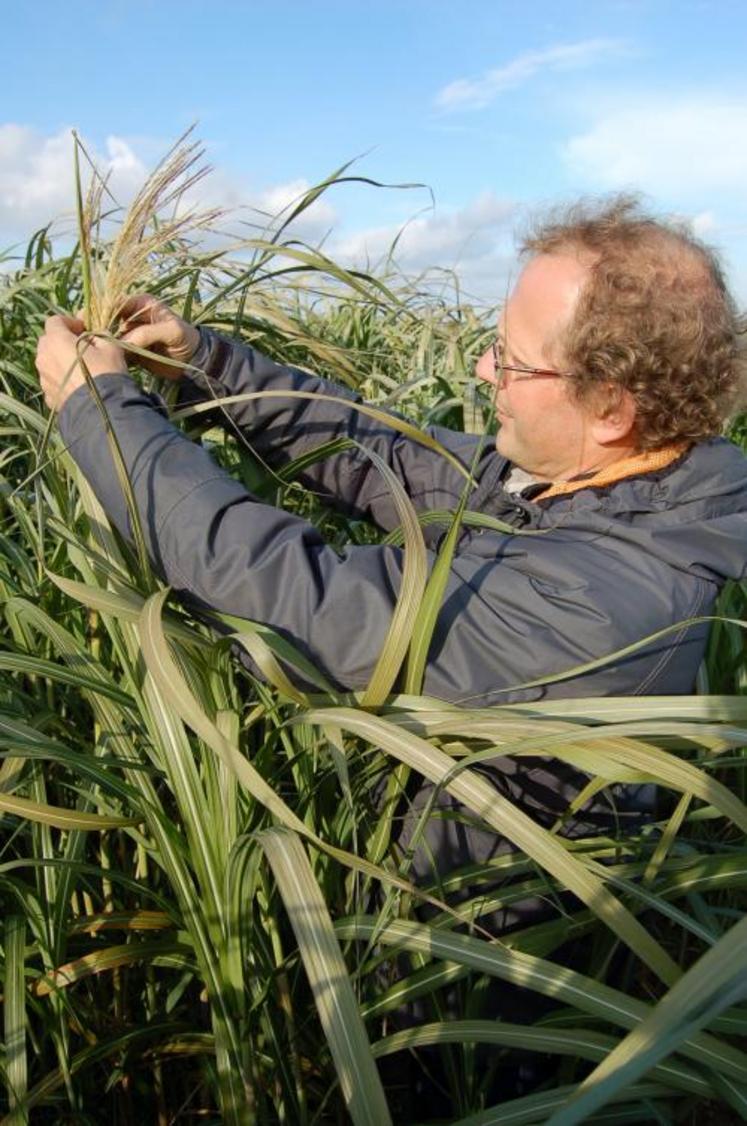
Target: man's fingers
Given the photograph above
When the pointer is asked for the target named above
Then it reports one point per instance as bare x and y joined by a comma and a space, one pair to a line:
142, 309
136, 302
64, 323
144, 336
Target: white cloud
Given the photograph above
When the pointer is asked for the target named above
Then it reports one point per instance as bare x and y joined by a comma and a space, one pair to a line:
473, 241
703, 224
36, 176
37, 186
476, 93
671, 148
279, 200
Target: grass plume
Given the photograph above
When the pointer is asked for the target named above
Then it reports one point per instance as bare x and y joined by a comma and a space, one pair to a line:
159, 218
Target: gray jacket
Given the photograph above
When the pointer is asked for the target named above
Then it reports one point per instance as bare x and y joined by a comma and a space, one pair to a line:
610, 566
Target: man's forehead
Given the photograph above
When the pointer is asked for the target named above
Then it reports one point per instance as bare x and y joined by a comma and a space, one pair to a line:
558, 278
544, 298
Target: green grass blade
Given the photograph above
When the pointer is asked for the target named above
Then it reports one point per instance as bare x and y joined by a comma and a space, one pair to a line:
392, 421
120, 604
532, 1110
59, 817
527, 970
619, 654
611, 747
430, 605
258, 649
614, 709
332, 988
501, 815
279, 647
14, 1019
172, 684
580, 1043
167, 952
411, 592
177, 694
716, 981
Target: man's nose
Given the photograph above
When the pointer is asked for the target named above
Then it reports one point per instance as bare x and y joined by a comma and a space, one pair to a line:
485, 367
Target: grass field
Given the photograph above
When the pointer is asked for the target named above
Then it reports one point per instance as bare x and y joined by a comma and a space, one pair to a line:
203, 917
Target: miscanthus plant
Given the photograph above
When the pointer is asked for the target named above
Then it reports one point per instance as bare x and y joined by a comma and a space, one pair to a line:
204, 916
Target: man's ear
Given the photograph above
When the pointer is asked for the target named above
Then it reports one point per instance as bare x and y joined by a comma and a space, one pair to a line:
614, 420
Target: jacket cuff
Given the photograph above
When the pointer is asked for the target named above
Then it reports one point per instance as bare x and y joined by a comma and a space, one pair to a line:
210, 356
202, 378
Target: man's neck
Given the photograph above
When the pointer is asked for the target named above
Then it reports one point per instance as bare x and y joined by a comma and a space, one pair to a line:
597, 460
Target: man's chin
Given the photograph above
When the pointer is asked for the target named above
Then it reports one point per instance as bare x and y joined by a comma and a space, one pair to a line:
503, 444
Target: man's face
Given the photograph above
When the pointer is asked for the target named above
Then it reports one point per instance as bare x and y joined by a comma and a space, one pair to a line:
542, 429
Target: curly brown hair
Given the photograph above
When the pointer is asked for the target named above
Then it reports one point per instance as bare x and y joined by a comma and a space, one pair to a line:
655, 318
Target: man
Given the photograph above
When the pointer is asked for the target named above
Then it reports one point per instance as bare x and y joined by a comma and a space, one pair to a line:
615, 362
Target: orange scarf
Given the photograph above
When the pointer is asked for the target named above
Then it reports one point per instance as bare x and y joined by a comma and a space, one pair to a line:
646, 462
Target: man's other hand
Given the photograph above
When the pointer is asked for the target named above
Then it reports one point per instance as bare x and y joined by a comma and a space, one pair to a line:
59, 352
150, 325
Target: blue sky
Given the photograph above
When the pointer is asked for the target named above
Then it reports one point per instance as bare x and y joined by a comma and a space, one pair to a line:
498, 108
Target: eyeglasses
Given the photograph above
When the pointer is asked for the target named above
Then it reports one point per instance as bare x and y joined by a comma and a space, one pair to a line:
519, 371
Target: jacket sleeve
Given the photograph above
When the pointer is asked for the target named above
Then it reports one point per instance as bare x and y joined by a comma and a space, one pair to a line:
280, 429
216, 543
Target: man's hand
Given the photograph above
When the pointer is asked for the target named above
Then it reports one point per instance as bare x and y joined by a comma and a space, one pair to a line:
149, 324
59, 352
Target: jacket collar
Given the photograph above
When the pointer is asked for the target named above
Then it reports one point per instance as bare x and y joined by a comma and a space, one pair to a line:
647, 462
